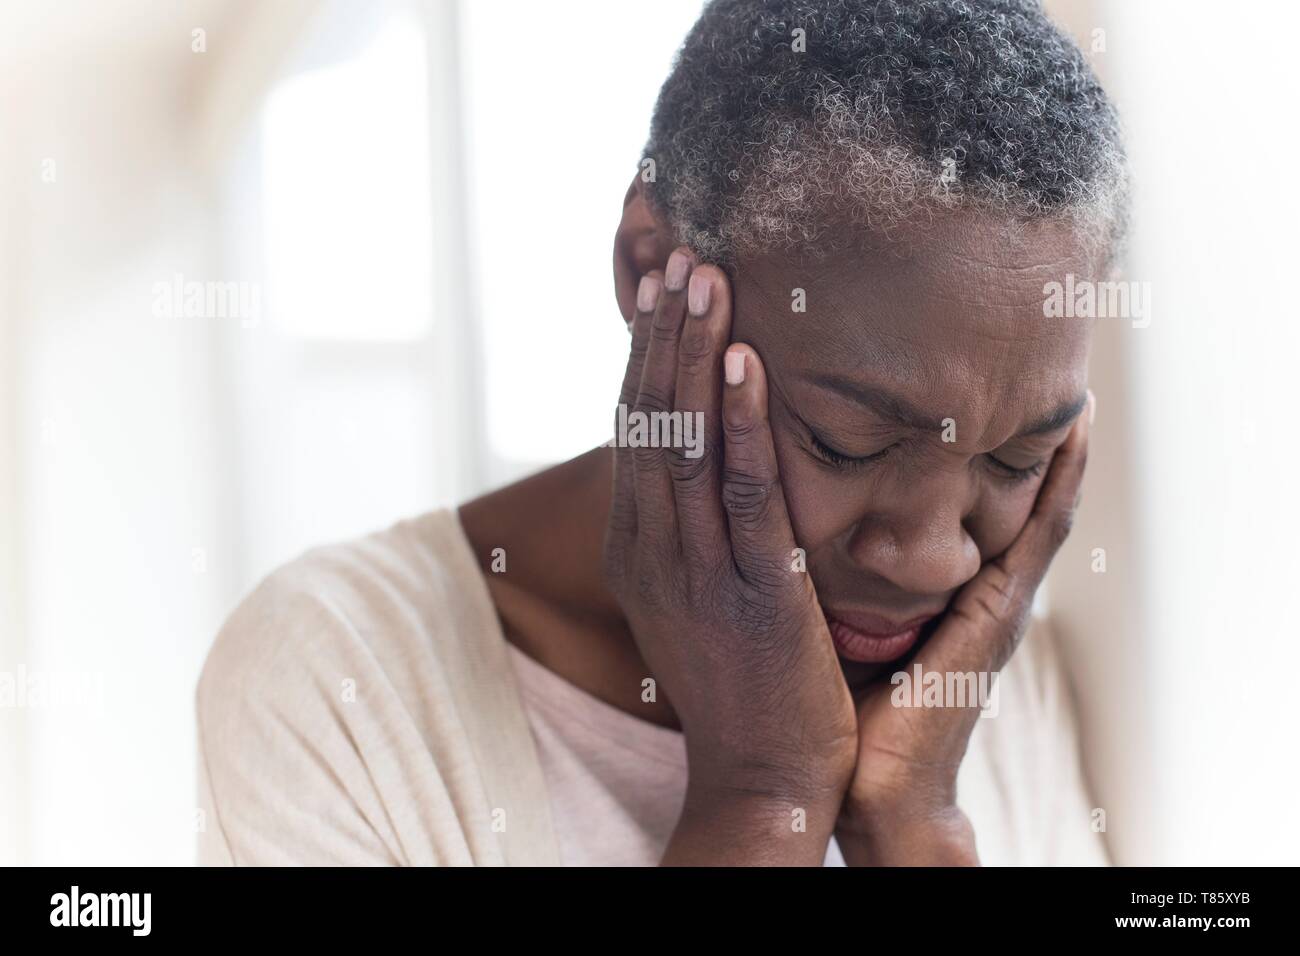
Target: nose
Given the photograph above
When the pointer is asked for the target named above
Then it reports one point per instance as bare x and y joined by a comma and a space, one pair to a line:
923, 549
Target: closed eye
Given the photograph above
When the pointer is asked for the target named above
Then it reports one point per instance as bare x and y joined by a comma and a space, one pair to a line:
841, 460
1014, 474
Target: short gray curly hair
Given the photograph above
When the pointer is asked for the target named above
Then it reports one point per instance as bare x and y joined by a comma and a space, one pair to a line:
894, 108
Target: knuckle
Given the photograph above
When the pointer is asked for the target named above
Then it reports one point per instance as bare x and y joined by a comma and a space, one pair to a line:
1001, 582
638, 351
689, 472
736, 419
1060, 526
650, 400
646, 458
767, 578
754, 611
766, 624
1009, 594
994, 630
746, 497
696, 351
667, 320
767, 572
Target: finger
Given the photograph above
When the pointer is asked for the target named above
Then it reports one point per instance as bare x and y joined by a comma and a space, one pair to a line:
1053, 515
623, 507
656, 510
695, 467
988, 617
757, 521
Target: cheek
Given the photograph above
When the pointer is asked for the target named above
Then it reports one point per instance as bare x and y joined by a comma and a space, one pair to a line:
999, 516
820, 509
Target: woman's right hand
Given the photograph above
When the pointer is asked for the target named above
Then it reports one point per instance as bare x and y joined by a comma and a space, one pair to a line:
700, 555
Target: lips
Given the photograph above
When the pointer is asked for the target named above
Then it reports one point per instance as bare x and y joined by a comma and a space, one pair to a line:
868, 639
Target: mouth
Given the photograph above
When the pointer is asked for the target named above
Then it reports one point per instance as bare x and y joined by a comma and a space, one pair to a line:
868, 639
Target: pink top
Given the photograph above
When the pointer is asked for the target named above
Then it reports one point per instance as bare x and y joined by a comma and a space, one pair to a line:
616, 782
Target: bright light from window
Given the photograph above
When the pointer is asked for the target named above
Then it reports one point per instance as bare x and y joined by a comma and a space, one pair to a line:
345, 166
546, 191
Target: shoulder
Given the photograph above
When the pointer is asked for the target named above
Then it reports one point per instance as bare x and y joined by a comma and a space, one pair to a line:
323, 688
362, 601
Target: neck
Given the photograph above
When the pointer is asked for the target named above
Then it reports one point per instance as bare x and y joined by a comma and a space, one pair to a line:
551, 598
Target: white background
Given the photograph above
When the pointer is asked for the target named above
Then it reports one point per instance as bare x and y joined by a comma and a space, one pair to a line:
425, 194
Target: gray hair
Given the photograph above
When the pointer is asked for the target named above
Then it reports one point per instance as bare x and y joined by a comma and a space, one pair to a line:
894, 110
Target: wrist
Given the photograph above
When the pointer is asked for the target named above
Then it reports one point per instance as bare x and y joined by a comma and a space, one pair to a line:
719, 769
722, 825
936, 838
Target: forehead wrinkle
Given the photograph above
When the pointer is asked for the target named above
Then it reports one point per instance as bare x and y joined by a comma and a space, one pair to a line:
987, 290
984, 243
990, 278
1023, 259
998, 318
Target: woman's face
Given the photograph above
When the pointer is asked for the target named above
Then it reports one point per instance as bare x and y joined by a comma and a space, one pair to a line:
915, 405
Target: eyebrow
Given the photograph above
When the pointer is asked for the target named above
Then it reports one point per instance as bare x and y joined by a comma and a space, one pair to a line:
1065, 413
902, 412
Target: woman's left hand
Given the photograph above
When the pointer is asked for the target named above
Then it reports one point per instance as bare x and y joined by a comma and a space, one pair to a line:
901, 805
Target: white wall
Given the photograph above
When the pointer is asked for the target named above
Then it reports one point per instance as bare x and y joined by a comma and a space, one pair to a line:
1183, 651
558, 100
117, 466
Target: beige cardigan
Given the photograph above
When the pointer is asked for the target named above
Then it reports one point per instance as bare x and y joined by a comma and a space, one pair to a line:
360, 707
359, 674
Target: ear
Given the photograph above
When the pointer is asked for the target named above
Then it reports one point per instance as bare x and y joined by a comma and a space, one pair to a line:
642, 244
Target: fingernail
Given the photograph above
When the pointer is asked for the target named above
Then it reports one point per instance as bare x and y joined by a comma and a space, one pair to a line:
734, 367
679, 266
647, 293
698, 294
1092, 407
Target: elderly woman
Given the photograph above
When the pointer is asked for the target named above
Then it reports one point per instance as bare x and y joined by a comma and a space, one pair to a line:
750, 648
